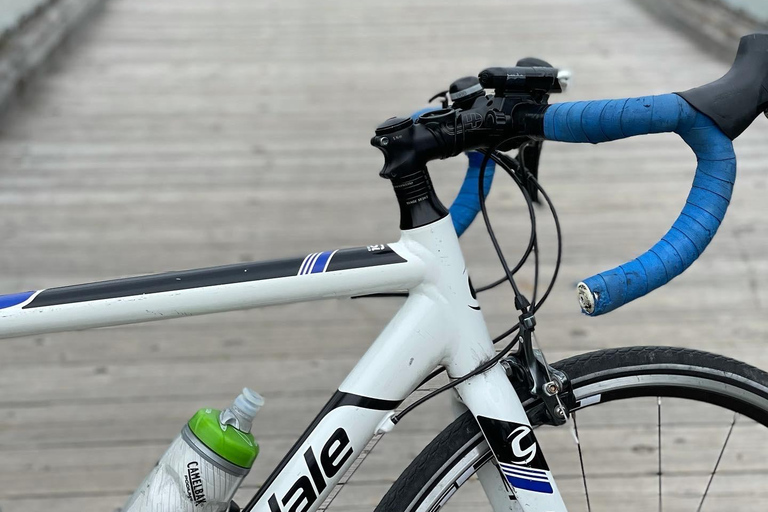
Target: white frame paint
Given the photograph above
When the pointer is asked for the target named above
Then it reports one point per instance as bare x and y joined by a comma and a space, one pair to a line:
440, 324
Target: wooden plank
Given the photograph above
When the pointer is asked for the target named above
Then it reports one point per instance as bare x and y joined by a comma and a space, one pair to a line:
185, 134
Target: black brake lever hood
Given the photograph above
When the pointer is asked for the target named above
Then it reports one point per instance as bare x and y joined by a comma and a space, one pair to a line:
736, 99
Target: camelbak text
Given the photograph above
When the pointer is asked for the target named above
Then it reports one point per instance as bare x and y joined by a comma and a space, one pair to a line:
194, 483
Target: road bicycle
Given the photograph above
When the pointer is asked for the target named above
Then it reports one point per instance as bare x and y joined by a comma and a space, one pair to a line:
500, 398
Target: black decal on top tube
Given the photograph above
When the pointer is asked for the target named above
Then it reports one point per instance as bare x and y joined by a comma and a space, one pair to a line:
166, 282
370, 256
344, 259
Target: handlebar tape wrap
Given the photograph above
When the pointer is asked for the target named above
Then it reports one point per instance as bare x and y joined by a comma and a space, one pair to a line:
466, 205
601, 121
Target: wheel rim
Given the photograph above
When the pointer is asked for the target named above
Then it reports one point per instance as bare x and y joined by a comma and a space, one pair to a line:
745, 402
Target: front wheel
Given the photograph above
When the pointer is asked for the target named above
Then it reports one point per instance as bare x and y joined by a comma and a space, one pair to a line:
658, 428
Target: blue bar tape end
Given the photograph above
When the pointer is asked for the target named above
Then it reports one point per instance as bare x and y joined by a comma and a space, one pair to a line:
14, 299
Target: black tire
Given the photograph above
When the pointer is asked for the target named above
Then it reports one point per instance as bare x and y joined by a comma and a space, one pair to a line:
644, 371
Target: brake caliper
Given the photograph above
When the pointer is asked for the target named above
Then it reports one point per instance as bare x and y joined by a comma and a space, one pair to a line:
534, 379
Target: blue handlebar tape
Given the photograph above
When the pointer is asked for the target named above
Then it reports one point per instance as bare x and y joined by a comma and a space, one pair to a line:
466, 205
601, 121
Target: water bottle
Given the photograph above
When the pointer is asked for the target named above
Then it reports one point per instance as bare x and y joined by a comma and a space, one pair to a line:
205, 464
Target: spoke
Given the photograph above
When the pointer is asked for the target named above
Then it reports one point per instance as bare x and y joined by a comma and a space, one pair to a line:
717, 463
581, 459
658, 430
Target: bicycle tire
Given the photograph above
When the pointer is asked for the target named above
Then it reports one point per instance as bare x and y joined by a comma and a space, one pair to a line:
618, 374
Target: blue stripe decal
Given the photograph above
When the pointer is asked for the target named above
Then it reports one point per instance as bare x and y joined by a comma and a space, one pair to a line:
320, 262
311, 261
6, 301
529, 485
304, 264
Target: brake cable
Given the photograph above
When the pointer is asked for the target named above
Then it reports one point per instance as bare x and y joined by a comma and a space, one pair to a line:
512, 166
521, 303
556, 220
559, 243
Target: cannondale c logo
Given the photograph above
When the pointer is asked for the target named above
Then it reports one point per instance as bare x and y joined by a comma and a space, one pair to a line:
518, 438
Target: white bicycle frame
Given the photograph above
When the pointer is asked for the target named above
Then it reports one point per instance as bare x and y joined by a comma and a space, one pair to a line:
440, 324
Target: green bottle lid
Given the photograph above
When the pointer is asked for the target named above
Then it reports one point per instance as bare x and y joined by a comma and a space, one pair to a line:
237, 447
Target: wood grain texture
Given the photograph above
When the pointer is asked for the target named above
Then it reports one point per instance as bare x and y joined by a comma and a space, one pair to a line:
183, 134
31, 31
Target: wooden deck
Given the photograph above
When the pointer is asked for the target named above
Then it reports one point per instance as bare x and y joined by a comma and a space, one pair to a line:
182, 134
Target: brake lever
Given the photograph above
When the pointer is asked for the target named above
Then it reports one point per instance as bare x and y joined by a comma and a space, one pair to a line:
443, 95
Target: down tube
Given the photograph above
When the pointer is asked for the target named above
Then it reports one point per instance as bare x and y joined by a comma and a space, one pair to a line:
394, 365
328, 274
